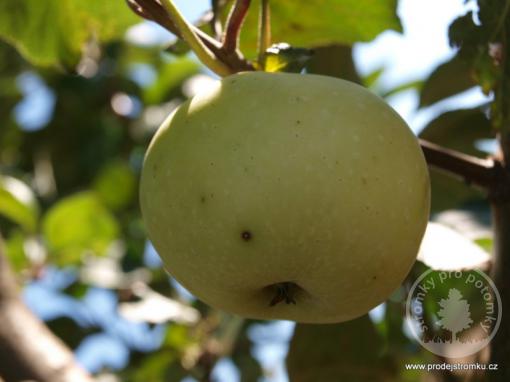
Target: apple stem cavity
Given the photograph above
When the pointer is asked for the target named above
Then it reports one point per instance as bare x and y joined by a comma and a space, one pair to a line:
284, 293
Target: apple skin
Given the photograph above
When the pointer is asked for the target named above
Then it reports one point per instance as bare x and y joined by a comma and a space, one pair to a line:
284, 178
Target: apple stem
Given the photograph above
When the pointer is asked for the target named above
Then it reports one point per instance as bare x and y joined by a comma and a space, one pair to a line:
283, 293
233, 26
196, 44
264, 30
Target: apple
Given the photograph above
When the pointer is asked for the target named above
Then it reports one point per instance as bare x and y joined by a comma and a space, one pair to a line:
286, 196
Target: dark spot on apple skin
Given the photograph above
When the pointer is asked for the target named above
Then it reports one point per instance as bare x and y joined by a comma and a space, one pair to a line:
298, 122
202, 199
246, 235
374, 277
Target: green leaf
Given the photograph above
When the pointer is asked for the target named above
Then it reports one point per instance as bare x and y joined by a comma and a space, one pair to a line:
171, 76
54, 32
315, 23
163, 365
334, 61
349, 351
14, 246
18, 203
459, 130
115, 185
448, 79
77, 224
283, 58
373, 77
411, 85
486, 243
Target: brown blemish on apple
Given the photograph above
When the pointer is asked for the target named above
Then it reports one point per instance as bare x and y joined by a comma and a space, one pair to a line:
246, 235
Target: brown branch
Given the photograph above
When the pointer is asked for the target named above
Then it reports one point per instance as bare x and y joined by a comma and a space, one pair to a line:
234, 23
153, 10
28, 349
487, 174
476, 171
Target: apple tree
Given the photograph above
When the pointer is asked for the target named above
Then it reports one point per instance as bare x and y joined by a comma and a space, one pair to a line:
83, 295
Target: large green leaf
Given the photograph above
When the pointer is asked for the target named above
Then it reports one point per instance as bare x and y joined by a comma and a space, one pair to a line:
319, 22
459, 130
446, 80
77, 224
54, 32
18, 203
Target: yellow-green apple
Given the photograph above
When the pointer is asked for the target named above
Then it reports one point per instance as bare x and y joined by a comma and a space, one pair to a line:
286, 196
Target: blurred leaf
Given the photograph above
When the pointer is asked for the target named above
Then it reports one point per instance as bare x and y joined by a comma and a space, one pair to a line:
171, 76
115, 185
53, 32
163, 365
334, 61
446, 80
77, 224
14, 246
178, 336
282, 57
18, 203
411, 85
178, 47
373, 77
317, 22
458, 130
348, 351
486, 243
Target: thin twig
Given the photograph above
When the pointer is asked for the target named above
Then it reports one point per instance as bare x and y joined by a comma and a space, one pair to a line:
234, 23
264, 29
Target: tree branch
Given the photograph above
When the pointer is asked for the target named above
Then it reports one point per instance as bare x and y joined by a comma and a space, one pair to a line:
476, 171
234, 23
28, 349
153, 10
490, 175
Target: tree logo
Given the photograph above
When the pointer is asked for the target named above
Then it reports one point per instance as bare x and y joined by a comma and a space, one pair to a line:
453, 314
